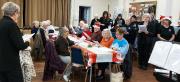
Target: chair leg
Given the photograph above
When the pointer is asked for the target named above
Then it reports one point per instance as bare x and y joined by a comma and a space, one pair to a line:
66, 70
86, 75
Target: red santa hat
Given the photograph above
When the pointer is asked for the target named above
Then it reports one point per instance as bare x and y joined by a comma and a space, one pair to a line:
165, 17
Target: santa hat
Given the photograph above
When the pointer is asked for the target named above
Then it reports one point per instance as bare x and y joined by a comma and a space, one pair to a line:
165, 17
97, 25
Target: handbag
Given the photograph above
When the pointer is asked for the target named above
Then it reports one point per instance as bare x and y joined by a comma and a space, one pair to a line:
116, 73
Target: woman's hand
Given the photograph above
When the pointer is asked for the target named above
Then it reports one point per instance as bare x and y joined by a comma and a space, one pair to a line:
114, 49
146, 32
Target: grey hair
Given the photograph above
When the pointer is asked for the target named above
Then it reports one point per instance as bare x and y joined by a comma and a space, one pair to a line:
10, 8
106, 30
148, 15
62, 30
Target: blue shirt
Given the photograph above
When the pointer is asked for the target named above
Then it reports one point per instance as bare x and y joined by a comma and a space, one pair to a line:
122, 46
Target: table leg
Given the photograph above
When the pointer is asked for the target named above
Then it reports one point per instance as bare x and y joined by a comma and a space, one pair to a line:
90, 78
110, 71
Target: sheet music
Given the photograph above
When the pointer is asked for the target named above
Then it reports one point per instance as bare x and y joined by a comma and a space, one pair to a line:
173, 61
27, 37
161, 70
160, 53
142, 28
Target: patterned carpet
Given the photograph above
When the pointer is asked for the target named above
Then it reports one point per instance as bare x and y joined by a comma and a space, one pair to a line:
138, 75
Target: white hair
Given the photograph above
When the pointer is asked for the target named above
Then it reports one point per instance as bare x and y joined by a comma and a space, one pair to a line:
10, 8
44, 23
148, 15
106, 30
36, 23
48, 22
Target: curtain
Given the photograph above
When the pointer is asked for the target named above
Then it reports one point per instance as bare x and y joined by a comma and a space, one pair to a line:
20, 3
58, 11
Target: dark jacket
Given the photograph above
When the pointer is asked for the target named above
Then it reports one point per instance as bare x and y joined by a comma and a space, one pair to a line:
132, 29
177, 38
43, 36
63, 46
119, 22
150, 28
10, 43
104, 21
34, 30
93, 23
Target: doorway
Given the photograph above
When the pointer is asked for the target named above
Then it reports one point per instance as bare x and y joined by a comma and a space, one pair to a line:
85, 13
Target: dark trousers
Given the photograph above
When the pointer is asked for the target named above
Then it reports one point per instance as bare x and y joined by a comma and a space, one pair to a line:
144, 50
102, 67
178, 77
11, 76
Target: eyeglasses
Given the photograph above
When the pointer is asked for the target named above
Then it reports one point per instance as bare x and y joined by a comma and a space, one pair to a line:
119, 35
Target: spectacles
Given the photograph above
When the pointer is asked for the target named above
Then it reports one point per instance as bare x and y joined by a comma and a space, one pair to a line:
118, 35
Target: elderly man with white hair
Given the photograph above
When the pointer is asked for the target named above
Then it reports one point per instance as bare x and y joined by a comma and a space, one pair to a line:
11, 43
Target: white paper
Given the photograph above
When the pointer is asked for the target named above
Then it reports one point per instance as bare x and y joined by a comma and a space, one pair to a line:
173, 61
73, 39
27, 37
83, 44
82, 39
161, 71
160, 53
142, 28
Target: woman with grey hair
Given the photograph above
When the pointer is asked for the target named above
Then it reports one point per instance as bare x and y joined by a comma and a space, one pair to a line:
63, 47
144, 41
11, 43
106, 41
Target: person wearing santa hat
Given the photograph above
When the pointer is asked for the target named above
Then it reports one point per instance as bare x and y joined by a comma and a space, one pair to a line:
96, 35
96, 19
165, 31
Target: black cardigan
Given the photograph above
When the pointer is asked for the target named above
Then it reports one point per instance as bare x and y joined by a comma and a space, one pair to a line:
10, 43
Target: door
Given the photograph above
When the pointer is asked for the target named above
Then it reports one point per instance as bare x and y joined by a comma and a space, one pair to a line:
85, 13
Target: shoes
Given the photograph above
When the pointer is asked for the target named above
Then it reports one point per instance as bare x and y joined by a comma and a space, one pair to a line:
65, 77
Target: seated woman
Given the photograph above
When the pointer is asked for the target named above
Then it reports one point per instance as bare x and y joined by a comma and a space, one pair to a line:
106, 41
63, 45
166, 32
96, 35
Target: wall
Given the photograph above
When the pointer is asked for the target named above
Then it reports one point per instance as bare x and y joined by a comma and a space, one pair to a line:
168, 8
97, 7
143, 0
